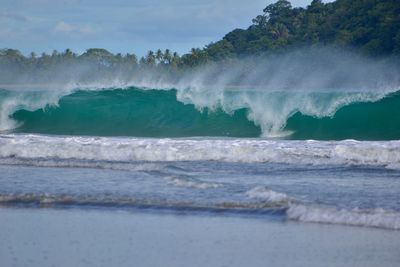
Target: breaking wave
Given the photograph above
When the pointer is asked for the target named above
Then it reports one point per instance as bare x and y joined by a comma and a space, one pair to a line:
337, 115
118, 152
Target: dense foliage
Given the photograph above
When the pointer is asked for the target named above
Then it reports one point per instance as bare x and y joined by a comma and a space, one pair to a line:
371, 27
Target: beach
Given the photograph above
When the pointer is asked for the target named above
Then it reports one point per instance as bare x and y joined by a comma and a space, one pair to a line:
135, 237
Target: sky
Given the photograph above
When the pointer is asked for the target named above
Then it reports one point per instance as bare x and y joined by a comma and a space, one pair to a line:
122, 26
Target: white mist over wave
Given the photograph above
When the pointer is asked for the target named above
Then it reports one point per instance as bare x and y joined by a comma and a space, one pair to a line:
315, 82
98, 152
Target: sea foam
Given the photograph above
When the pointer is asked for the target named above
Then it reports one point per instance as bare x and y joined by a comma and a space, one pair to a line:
104, 151
378, 218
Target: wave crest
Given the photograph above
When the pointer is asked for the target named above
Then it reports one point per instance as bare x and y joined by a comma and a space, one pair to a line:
190, 183
266, 194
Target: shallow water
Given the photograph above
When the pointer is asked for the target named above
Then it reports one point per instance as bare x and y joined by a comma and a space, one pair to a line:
347, 182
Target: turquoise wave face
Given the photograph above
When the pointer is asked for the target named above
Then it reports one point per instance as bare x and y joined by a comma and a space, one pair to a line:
132, 112
163, 113
378, 120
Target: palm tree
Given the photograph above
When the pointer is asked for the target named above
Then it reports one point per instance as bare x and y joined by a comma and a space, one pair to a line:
176, 60
167, 57
159, 56
150, 59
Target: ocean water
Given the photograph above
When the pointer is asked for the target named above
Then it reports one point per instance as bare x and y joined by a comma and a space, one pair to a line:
337, 182
307, 156
237, 156
141, 112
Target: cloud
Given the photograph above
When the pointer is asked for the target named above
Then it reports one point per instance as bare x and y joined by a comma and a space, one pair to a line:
63, 27
66, 28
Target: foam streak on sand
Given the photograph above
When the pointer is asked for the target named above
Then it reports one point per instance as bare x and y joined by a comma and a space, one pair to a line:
368, 218
269, 202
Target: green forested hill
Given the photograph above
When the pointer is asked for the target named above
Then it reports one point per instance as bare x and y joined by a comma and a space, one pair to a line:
372, 26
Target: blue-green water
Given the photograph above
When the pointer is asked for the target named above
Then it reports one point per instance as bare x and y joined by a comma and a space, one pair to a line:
234, 113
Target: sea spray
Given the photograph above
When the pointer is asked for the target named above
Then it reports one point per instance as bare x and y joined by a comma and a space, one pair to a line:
247, 97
